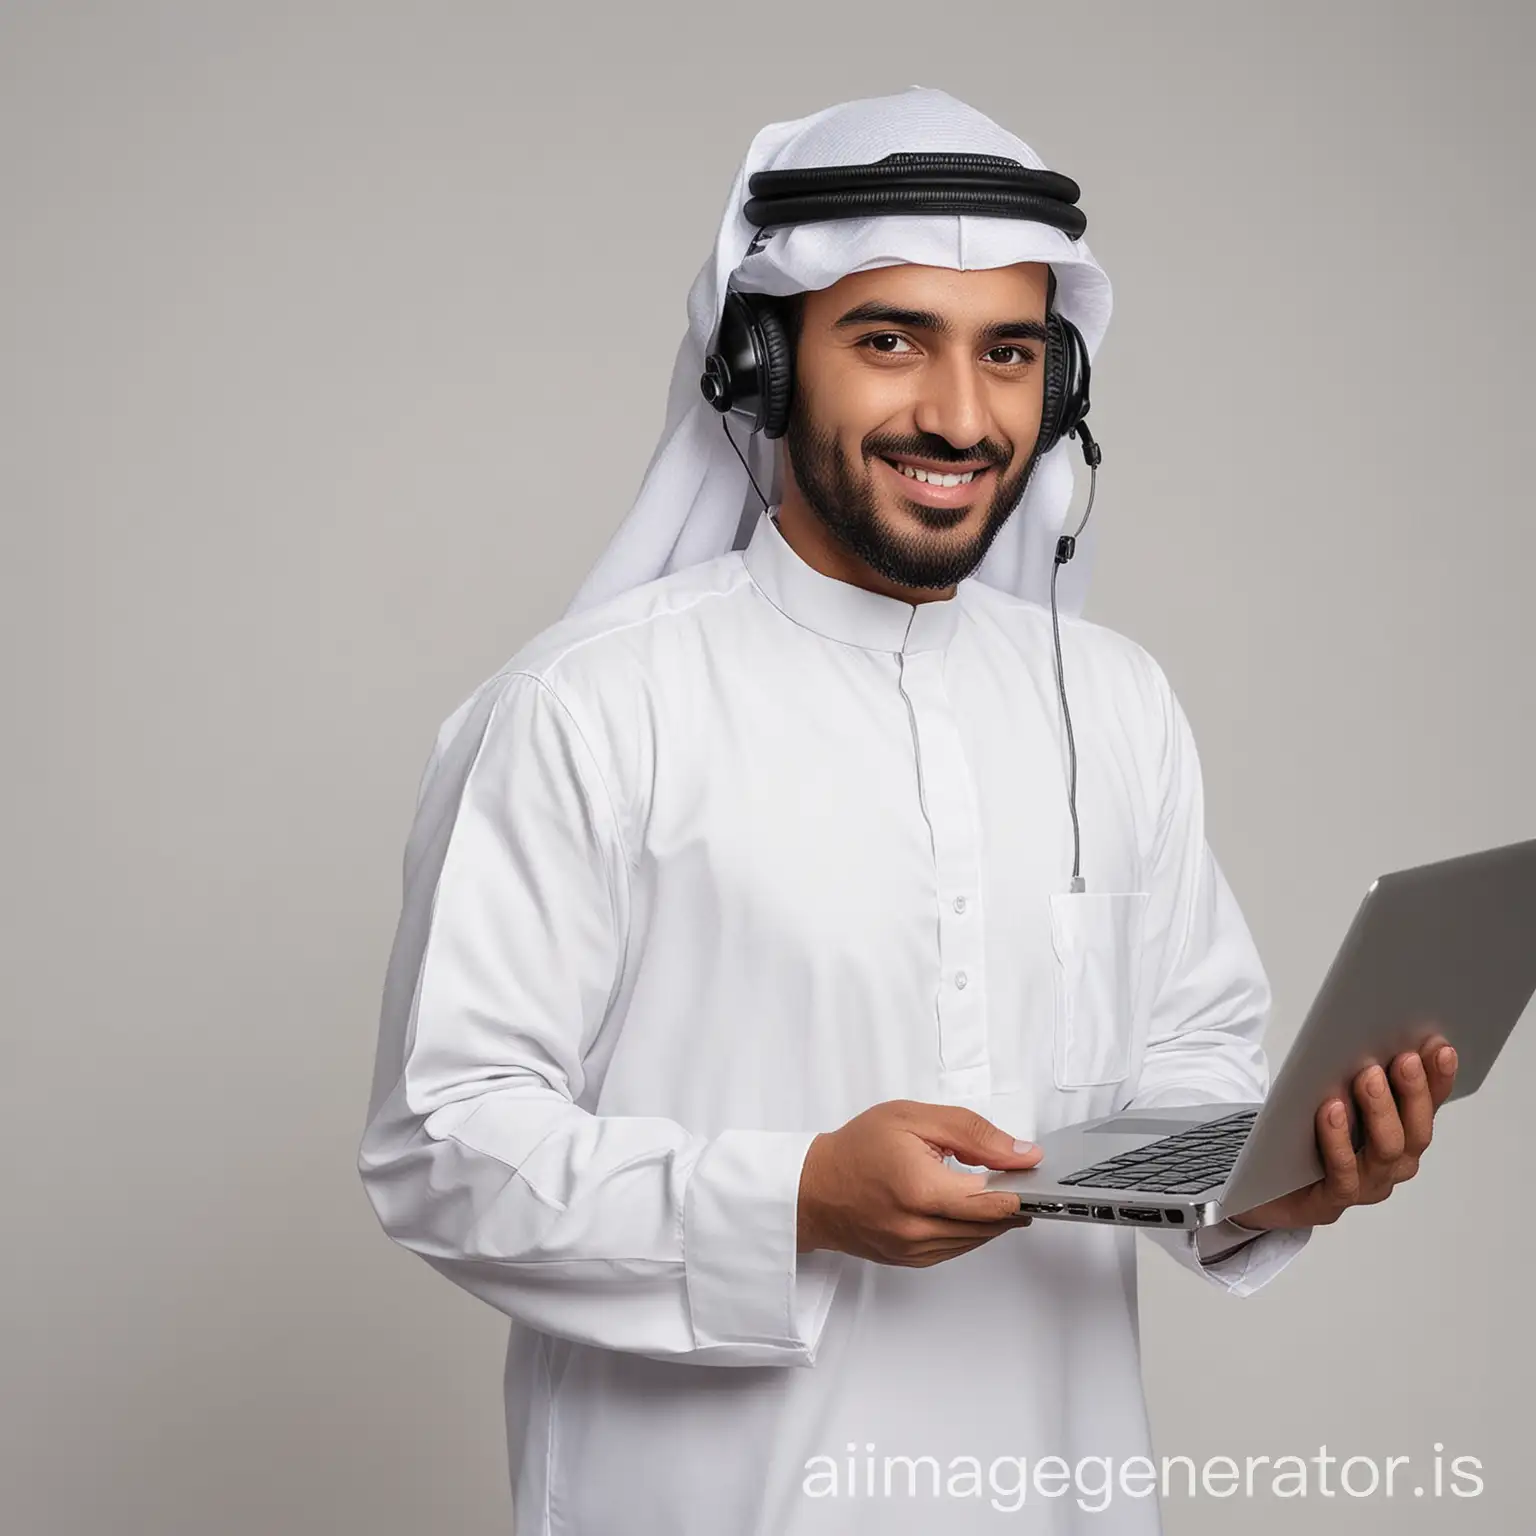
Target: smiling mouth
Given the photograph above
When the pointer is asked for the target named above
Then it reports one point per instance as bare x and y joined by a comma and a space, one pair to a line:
936, 477
941, 498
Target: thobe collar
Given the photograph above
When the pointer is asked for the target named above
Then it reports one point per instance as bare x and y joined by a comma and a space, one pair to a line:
839, 609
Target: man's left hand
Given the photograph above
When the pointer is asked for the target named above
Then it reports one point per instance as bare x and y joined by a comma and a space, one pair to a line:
1398, 1118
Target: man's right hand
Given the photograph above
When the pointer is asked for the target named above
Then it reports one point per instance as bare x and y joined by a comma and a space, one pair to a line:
879, 1187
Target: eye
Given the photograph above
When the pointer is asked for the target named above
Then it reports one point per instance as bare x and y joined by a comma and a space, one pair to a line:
1022, 358
883, 336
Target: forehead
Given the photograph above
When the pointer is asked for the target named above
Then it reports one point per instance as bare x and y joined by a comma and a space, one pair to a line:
973, 297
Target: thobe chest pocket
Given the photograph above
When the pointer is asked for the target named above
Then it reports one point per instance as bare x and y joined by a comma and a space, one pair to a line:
1100, 1009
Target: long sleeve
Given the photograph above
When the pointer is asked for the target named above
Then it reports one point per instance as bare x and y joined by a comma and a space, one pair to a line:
1210, 1000
626, 1232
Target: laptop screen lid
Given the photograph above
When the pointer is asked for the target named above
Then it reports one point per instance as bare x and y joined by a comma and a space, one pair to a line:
1446, 948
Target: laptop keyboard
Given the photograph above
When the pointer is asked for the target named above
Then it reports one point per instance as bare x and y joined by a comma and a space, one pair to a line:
1182, 1164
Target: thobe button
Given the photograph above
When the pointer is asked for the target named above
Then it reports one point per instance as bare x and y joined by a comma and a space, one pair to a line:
960, 979
959, 903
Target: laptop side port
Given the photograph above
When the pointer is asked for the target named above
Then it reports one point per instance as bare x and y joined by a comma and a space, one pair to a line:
1079, 1210
1041, 1205
1175, 1218
1141, 1213
1104, 1212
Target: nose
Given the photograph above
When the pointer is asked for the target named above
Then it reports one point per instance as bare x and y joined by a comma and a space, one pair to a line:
953, 402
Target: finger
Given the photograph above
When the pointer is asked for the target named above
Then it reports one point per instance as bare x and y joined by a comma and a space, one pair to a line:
971, 1137
926, 1234
965, 1207
1440, 1061
1415, 1108
1384, 1134
960, 1194
1341, 1169
970, 1234
938, 1255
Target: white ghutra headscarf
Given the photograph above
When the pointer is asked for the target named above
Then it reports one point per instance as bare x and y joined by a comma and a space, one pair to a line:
695, 501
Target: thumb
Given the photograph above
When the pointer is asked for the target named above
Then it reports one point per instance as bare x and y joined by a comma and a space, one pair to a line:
972, 1138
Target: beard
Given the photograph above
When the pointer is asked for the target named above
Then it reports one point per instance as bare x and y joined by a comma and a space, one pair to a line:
846, 500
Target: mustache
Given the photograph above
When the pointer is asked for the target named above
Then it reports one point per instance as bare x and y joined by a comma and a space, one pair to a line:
921, 446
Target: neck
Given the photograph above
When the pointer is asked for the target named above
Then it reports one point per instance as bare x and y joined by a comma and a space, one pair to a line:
812, 540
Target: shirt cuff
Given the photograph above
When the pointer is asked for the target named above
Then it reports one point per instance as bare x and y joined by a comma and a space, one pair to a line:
1242, 1260
747, 1284
1221, 1238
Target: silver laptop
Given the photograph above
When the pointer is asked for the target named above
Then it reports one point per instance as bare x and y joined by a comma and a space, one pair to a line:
1447, 947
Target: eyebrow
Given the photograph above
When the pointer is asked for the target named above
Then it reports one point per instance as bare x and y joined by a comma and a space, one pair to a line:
872, 310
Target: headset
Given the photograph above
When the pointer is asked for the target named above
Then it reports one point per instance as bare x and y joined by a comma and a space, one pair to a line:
749, 373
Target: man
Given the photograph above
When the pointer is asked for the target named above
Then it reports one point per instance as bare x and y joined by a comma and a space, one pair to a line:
735, 909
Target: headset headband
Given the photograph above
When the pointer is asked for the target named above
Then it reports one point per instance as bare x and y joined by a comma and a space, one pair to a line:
990, 186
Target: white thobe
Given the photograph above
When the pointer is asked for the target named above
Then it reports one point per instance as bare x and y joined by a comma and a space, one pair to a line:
711, 868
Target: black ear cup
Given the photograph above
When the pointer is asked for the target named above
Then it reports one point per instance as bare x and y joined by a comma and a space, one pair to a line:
1065, 401
751, 371
778, 377
1054, 394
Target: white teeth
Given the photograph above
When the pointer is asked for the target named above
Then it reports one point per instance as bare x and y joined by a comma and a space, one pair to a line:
933, 477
